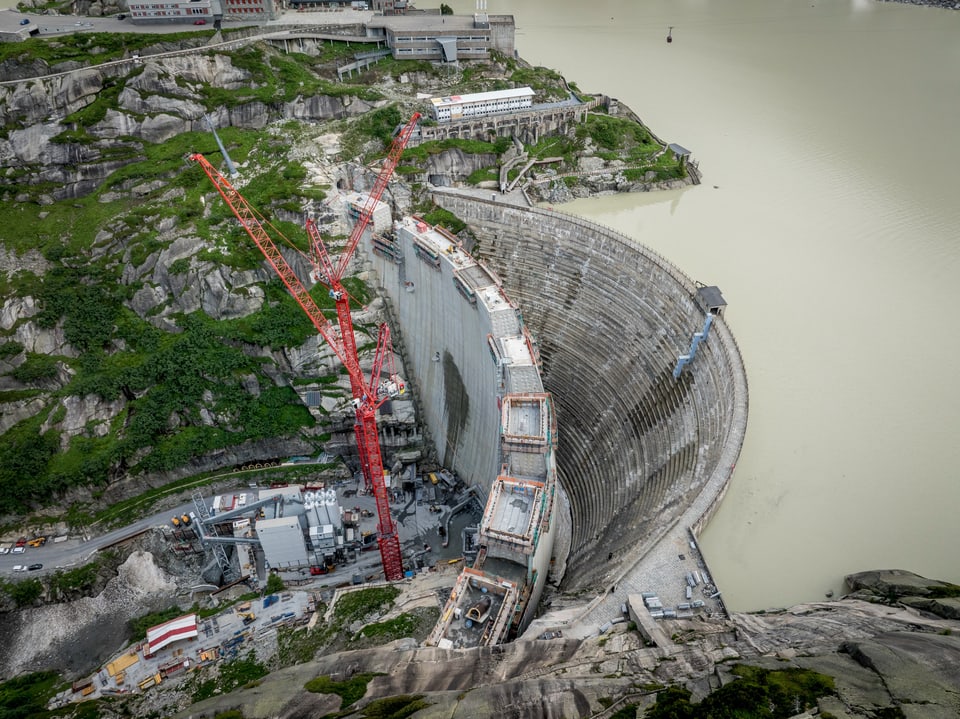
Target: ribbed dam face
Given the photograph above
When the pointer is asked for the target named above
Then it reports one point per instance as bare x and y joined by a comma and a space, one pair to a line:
638, 450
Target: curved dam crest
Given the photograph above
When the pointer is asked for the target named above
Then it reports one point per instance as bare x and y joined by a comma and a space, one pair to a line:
639, 453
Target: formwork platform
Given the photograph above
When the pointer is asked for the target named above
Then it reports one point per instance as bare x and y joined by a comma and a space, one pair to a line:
526, 422
478, 612
510, 519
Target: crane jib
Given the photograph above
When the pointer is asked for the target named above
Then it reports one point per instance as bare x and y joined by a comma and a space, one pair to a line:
367, 396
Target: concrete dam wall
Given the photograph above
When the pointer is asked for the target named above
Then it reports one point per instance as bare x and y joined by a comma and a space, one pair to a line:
454, 321
639, 451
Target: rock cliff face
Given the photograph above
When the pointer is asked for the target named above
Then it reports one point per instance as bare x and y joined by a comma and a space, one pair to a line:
452, 167
156, 99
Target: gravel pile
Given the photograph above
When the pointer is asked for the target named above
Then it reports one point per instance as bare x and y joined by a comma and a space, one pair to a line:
75, 637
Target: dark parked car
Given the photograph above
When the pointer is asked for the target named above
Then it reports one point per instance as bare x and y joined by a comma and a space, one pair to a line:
34, 567
25, 21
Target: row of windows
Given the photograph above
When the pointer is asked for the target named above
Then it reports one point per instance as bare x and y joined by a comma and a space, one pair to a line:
434, 38
461, 51
245, 2
164, 7
445, 113
165, 13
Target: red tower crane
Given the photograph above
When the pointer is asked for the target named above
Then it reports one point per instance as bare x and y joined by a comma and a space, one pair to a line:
367, 396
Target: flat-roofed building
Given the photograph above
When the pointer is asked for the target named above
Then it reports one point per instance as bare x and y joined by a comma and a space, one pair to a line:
172, 12
479, 104
249, 9
389, 7
512, 517
161, 635
282, 542
444, 37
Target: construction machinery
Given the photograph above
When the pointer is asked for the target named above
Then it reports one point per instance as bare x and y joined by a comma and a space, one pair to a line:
367, 396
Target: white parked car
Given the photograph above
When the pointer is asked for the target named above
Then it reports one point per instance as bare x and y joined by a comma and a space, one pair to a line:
4, 549
19, 550
19, 567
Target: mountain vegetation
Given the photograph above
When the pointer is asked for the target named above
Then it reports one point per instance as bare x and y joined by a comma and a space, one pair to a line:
142, 335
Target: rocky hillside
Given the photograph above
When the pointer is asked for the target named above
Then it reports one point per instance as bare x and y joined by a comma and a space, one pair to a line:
883, 660
141, 336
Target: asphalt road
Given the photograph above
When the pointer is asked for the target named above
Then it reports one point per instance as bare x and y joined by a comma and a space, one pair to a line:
64, 24
52, 25
75, 551
415, 526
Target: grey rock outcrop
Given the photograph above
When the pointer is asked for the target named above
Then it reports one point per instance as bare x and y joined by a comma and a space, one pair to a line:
902, 587
13, 412
32, 260
218, 290
453, 166
918, 671
879, 661
912, 590
894, 583
42, 340
159, 98
15, 309
87, 415
948, 607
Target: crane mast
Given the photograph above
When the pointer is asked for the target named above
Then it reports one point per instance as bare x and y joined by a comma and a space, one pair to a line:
367, 397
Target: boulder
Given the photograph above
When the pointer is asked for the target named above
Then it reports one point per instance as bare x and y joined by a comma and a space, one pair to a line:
15, 309
85, 415
947, 607
895, 583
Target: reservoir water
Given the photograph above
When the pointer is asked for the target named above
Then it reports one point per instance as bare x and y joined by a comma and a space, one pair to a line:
827, 136
826, 132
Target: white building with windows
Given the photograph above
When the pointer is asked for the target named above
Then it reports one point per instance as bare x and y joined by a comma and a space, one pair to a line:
444, 38
173, 11
459, 107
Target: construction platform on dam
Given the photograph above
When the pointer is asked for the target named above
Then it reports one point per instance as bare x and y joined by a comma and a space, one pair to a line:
551, 306
476, 369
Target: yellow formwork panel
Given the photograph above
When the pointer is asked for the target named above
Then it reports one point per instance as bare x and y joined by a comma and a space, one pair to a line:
121, 663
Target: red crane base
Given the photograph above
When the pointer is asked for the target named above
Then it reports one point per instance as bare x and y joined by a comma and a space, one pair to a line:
391, 558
